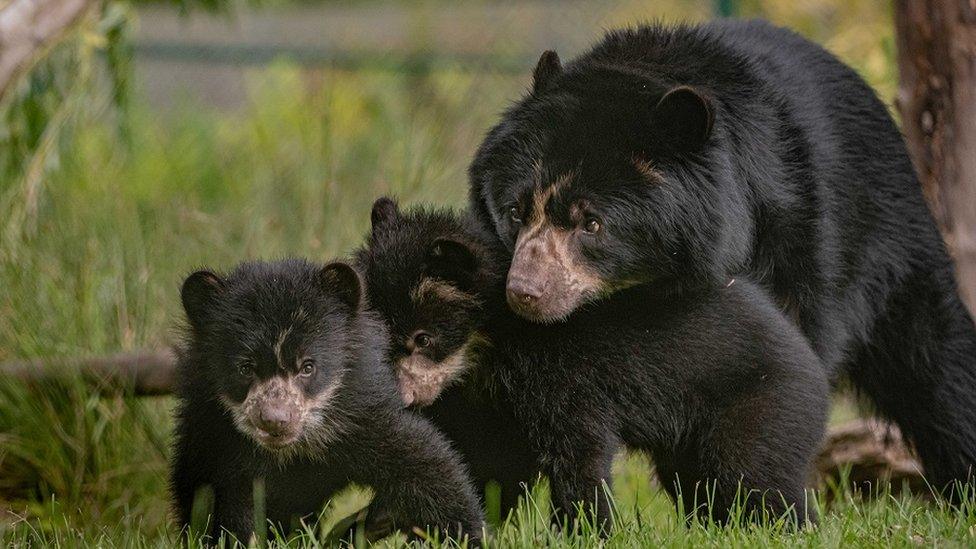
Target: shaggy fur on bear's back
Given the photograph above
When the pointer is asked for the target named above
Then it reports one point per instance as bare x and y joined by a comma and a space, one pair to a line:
686, 156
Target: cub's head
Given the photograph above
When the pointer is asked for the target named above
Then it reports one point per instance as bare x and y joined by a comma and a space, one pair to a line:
596, 181
277, 341
423, 274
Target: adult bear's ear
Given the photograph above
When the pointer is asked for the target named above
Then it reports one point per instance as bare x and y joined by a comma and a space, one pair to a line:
684, 118
339, 279
385, 210
199, 293
546, 70
452, 261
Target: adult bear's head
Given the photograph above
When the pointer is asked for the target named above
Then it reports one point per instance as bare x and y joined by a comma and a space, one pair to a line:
601, 178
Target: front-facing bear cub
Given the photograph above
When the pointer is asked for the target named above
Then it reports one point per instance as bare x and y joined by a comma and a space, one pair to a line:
281, 379
726, 397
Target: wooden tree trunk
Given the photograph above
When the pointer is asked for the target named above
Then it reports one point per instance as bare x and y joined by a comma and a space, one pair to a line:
937, 98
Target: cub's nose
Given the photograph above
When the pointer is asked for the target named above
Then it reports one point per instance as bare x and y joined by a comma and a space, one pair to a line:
274, 421
523, 291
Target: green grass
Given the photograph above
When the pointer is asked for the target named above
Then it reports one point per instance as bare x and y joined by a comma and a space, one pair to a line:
643, 517
92, 255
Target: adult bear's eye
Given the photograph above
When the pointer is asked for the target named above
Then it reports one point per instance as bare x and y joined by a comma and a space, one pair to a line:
513, 213
592, 225
308, 367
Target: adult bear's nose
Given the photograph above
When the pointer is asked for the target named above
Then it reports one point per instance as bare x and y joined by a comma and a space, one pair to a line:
523, 290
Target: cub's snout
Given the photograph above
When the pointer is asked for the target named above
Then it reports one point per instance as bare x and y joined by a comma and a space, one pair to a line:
275, 424
274, 412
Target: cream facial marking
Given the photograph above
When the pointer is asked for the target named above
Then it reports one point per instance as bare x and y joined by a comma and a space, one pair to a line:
421, 380
541, 197
550, 251
300, 423
431, 289
321, 423
278, 344
548, 279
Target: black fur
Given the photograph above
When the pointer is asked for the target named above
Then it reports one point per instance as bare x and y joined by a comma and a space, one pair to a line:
361, 434
479, 421
713, 384
779, 164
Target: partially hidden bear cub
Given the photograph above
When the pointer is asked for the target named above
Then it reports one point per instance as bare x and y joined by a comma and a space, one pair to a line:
435, 313
281, 379
729, 401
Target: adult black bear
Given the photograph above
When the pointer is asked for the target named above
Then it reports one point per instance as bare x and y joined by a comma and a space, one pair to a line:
282, 379
687, 156
722, 393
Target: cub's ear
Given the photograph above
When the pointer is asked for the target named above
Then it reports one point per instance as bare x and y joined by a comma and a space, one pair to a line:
199, 293
546, 70
385, 210
343, 281
452, 261
684, 118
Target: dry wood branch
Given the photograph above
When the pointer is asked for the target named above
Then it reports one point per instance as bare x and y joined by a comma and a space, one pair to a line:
28, 27
144, 373
874, 452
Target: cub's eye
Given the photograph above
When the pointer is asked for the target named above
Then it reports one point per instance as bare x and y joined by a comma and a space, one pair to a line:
245, 368
513, 213
308, 368
422, 340
592, 225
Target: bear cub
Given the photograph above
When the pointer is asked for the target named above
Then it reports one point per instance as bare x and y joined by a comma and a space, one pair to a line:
435, 316
282, 380
727, 399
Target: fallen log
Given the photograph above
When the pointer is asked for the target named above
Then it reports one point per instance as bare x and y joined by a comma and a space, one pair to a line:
144, 373
869, 453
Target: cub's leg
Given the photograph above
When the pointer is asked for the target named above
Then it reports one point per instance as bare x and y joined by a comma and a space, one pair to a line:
202, 466
575, 446
579, 477
492, 442
418, 479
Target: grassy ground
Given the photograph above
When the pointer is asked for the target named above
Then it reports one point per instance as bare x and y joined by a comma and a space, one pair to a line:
92, 255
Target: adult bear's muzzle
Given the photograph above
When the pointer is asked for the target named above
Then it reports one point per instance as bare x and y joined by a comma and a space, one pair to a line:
546, 281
